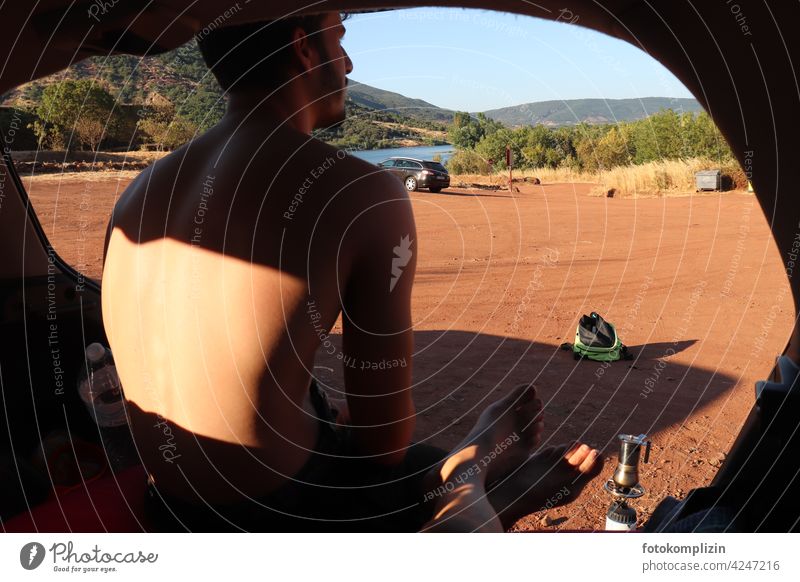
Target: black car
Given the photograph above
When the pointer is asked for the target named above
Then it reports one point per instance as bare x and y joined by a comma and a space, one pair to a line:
417, 174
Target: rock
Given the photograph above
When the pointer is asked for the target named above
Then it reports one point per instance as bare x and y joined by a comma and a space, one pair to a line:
717, 460
547, 521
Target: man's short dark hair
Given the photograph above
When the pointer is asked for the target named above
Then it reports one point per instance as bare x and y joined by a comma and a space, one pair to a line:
255, 55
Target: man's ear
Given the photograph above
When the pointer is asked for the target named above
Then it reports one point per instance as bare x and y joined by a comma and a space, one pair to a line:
303, 49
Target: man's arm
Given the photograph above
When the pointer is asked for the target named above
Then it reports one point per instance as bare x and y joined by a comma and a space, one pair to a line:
377, 336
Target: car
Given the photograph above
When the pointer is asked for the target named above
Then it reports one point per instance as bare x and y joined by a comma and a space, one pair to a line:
417, 174
50, 309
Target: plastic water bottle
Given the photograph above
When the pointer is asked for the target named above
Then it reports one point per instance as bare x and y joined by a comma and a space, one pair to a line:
99, 388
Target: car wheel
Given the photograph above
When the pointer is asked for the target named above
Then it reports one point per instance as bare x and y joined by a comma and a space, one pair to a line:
411, 183
435, 190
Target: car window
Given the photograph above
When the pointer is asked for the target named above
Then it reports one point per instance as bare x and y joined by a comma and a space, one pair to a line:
435, 166
387, 164
409, 164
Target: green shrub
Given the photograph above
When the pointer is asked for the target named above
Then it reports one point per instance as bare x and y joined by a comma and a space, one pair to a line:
468, 162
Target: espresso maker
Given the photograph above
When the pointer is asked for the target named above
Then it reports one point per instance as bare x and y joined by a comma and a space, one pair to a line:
624, 485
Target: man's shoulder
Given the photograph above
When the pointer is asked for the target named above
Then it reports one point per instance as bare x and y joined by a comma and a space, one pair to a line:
356, 175
348, 161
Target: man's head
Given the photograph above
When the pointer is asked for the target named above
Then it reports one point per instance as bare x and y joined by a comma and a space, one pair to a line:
303, 52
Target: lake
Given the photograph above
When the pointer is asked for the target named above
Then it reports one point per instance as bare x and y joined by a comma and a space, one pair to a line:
420, 152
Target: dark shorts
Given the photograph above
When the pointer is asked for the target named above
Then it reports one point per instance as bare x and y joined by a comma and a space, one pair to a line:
333, 492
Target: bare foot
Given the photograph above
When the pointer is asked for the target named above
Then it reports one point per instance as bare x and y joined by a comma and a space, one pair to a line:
501, 440
552, 477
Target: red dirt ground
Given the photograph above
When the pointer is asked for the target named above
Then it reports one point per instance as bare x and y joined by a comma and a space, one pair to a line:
694, 285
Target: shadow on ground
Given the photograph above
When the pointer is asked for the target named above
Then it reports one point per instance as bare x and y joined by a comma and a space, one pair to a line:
457, 373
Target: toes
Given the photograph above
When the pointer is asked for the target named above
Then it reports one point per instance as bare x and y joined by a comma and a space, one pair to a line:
577, 454
522, 393
583, 458
534, 421
590, 464
566, 451
524, 397
529, 392
530, 412
532, 433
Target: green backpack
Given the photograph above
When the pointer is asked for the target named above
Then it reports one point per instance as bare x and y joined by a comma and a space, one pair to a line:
597, 339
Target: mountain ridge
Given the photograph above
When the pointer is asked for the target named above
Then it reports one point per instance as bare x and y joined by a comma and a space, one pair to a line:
381, 99
552, 113
593, 111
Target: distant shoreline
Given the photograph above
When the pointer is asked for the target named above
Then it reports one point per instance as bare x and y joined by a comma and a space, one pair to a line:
28, 162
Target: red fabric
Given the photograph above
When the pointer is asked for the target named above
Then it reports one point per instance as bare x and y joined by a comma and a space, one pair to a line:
114, 503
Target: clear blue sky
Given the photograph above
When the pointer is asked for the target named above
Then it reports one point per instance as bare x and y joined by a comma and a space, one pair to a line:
474, 60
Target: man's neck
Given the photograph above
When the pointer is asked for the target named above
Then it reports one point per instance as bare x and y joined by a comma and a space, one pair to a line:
280, 108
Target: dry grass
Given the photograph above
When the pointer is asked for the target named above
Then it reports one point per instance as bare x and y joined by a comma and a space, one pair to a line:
60, 157
80, 177
37, 164
665, 178
423, 131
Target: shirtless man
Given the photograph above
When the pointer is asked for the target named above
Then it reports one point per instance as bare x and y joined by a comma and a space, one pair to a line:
227, 263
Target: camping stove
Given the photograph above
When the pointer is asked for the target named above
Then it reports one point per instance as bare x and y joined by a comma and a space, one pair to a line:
624, 484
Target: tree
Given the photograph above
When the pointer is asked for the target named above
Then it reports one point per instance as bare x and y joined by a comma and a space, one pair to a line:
90, 131
613, 149
466, 131
162, 127
706, 139
467, 162
586, 139
659, 137
536, 145
563, 151
493, 147
74, 111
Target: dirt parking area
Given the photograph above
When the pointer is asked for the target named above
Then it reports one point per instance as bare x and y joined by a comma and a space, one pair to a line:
694, 285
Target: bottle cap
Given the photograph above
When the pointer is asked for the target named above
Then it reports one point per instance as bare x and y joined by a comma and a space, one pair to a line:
95, 352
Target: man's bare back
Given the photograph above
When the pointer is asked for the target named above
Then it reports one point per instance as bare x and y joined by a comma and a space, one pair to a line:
227, 263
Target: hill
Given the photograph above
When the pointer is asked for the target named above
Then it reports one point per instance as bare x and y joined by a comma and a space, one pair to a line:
591, 111
378, 118
180, 77
374, 98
